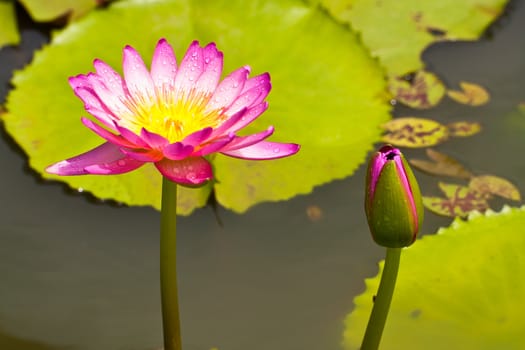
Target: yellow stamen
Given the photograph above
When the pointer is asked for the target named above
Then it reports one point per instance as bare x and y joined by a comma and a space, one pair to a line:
172, 114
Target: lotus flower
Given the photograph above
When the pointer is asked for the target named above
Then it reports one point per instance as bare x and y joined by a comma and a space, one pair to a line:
172, 115
393, 202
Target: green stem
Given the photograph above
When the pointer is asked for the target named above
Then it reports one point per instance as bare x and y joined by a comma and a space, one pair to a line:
377, 320
168, 266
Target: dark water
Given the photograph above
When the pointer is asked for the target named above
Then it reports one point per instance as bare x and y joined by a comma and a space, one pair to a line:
81, 275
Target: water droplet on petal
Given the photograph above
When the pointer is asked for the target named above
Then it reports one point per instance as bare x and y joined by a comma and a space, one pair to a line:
206, 60
276, 150
121, 162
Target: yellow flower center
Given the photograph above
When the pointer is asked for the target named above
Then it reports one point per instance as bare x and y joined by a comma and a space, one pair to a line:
171, 114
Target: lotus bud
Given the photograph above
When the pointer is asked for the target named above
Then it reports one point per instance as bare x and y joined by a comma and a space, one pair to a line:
393, 203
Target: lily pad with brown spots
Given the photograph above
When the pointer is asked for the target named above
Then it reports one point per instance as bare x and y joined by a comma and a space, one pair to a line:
463, 128
494, 185
459, 201
471, 94
421, 90
414, 132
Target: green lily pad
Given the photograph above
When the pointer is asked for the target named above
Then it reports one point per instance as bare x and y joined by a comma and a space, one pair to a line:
460, 289
398, 31
8, 30
328, 94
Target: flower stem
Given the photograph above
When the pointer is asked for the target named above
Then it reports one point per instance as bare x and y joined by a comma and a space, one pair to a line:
168, 266
377, 320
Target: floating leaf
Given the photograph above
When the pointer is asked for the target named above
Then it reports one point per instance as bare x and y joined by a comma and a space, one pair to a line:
398, 31
490, 184
423, 90
471, 94
460, 289
327, 121
414, 132
460, 201
442, 165
44, 11
8, 30
463, 128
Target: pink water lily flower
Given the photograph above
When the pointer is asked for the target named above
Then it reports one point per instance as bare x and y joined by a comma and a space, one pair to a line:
172, 115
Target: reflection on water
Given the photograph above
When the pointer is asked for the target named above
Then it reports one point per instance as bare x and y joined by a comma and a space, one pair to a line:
9, 342
84, 276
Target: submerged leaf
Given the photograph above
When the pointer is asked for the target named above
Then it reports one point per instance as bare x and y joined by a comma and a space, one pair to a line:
442, 165
471, 94
314, 213
494, 185
48, 128
414, 132
460, 201
423, 90
459, 289
463, 128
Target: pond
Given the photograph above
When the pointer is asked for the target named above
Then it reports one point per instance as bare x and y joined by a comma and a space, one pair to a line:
82, 274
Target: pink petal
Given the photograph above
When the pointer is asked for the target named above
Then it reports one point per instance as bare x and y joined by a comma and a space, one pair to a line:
138, 79
245, 141
95, 107
229, 89
79, 81
143, 155
110, 77
250, 97
214, 146
211, 75
248, 117
227, 124
105, 134
115, 104
198, 137
163, 66
189, 171
264, 150
257, 81
190, 68
131, 136
177, 151
152, 139
104, 159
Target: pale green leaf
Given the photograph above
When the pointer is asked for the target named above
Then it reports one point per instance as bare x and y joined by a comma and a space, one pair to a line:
8, 30
328, 94
459, 289
398, 31
48, 10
